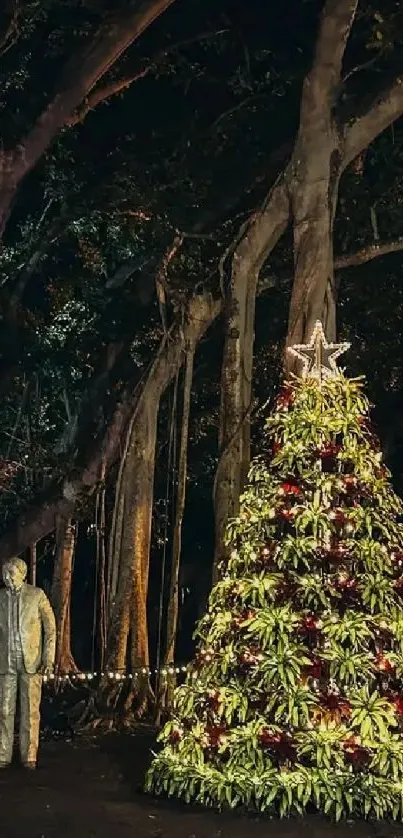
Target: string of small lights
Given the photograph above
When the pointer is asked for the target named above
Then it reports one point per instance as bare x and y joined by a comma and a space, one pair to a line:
117, 675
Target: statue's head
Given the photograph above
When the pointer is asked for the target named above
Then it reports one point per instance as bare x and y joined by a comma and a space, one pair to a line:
14, 574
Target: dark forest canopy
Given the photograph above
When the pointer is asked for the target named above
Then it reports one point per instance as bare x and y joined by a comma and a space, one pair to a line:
137, 140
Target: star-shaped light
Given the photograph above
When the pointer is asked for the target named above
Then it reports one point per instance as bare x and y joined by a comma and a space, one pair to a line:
318, 356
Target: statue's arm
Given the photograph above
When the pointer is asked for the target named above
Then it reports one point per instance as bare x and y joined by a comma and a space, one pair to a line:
49, 632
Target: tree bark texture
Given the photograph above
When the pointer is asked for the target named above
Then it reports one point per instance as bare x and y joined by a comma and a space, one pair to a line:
129, 614
314, 180
166, 684
237, 365
134, 501
305, 193
173, 602
61, 593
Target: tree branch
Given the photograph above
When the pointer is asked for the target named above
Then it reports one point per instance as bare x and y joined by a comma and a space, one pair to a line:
104, 93
349, 260
321, 82
81, 74
10, 34
60, 499
368, 253
386, 108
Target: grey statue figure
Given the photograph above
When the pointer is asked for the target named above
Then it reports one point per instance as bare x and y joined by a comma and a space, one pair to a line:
27, 652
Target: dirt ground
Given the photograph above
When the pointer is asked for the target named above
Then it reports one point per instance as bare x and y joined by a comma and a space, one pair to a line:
91, 788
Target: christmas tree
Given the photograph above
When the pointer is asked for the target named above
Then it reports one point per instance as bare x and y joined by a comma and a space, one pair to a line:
293, 701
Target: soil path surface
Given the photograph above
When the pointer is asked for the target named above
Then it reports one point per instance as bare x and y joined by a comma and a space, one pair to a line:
91, 788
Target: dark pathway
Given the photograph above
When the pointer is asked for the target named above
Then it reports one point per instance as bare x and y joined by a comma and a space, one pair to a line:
90, 789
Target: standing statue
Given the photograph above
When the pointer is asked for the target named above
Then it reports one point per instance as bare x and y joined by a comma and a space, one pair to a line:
27, 652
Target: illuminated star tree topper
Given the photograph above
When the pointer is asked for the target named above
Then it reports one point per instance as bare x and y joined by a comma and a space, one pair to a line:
318, 356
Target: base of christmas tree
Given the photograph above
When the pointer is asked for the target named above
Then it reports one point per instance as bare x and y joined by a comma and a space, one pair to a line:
336, 793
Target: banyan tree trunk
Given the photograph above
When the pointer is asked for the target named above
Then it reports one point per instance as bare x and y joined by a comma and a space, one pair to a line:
166, 687
127, 642
236, 401
61, 593
132, 543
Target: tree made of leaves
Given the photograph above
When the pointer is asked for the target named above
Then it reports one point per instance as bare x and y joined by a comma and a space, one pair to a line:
293, 701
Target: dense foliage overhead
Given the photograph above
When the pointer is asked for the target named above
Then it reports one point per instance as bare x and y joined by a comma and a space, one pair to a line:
128, 211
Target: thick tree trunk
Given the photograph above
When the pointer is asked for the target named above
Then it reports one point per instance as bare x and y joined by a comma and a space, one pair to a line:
314, 180
310, 181
128, 629
61, 593
236, 395
129, 607
237, 366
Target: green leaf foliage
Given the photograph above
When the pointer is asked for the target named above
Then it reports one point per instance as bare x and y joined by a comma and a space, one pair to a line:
294, 695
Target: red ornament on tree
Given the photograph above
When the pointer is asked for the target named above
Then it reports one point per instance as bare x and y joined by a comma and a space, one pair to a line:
216, 735
175, 735
289, 489
397, 558
336, 705
336, 553
355, 753
327, 454
383, 663
314, 670
398, 586
311, 624
285, 513
280, 744
338, 517
346, 584
213, 700
398, 705
284, 398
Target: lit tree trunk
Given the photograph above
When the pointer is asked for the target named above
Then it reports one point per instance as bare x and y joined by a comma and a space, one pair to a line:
165, 689
307, 193
61, 593
129, 611
237, 366
314, 181
128, 629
